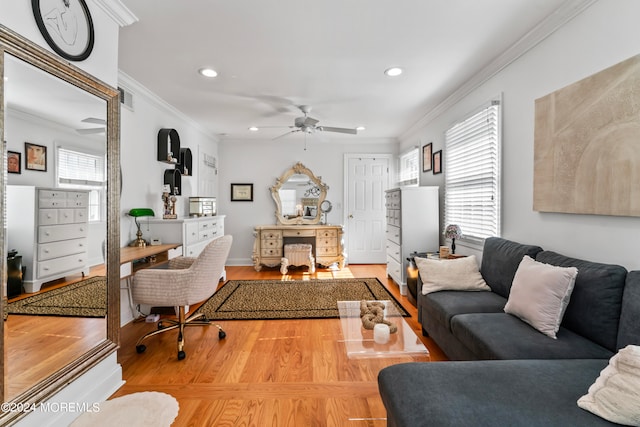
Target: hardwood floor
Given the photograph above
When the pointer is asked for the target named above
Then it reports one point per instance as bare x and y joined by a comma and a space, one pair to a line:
266, 373
37, 346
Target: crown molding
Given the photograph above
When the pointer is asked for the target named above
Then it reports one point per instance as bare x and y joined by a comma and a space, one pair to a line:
565, 13
138, 90
117, 11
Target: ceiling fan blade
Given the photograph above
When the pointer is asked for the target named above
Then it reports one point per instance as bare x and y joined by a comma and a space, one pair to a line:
90, 131
339, 130
94, 121
285, 134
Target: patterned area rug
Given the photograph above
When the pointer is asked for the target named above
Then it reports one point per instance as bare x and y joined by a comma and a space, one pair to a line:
296, 299
87, 298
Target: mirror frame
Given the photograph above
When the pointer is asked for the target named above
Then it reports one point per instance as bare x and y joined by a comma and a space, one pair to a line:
13, 44
298, 168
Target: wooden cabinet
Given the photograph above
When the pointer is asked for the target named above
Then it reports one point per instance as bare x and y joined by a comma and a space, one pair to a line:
49, 227
192, 233
326, 240
412, 226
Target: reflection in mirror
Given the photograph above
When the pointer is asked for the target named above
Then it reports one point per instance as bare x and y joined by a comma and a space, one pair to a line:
74, 181
298, 194
56, 241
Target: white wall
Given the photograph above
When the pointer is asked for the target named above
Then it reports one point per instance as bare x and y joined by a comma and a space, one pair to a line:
260, 162
603, 35
142, 173
102, 63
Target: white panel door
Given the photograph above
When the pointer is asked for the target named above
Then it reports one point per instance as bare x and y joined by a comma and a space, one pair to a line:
367, 180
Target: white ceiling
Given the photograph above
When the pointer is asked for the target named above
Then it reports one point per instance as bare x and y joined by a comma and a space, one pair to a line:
329, 54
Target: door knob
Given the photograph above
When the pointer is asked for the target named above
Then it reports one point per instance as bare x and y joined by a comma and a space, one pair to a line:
350, 216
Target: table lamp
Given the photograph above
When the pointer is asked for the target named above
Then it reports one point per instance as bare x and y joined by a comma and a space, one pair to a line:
137, 213
452, 232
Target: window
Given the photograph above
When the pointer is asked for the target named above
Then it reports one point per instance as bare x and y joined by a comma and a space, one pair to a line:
472, 174
409, 167
84, 171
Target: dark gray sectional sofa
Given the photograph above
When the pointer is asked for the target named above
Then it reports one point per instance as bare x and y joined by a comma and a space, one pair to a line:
505, 372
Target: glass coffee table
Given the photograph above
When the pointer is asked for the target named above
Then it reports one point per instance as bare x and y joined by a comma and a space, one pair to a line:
360, 342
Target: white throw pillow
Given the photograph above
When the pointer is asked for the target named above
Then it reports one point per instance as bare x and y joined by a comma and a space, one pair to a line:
615, 396
540, 294
460, 274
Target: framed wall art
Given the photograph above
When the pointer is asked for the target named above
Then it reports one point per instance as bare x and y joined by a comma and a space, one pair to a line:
242, 192
437, 162
14, 162
426, 157
36, 157
66, 26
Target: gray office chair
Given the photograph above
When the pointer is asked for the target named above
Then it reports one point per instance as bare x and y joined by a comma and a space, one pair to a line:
187, 281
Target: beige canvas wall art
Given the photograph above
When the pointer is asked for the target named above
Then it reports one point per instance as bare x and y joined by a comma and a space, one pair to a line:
587, 145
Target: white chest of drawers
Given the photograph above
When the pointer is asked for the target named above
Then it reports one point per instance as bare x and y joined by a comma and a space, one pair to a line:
412, 226
49, 228
193, 233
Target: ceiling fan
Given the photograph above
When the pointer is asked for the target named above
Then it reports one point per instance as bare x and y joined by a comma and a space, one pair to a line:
91, 131
309, 125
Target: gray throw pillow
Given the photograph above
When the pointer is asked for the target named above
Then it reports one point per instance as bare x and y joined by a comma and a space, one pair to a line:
540, 294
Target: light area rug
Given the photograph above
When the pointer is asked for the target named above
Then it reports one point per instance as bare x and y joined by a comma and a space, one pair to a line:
87, 298
147, 408
296, 299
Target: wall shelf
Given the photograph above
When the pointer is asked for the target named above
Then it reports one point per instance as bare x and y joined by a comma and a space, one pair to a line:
186, 162
173, 178
168, 146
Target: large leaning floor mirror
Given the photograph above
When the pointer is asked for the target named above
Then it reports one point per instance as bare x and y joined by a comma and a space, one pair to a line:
60, 222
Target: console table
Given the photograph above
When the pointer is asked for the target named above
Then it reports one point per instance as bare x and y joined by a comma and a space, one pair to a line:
326, 240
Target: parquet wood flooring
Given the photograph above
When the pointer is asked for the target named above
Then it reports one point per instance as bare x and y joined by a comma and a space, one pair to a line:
266, 373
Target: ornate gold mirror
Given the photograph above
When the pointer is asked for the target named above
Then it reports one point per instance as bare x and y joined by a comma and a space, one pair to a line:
298, 194
55, 81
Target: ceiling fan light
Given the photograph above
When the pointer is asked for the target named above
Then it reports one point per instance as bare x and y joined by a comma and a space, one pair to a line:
393, 71
254, 128
208, 72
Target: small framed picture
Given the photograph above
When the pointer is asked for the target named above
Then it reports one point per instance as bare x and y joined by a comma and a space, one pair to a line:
426, 157
437, 162
36, 157
242, 192
14, 162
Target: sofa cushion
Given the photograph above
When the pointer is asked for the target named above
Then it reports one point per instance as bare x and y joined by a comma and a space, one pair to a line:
615, 395
513, 393
596, 301
540, 294
503, 336
456, 274
442, 306
500, 260
628, 331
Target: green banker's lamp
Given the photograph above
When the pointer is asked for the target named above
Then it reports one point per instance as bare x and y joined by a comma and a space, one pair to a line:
137, 213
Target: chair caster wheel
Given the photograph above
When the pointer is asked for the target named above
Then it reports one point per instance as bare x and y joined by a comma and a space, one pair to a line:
222, 334
181, 355
160, 325
141, 348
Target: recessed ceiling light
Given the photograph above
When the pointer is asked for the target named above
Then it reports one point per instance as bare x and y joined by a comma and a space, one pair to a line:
393, 71
359, 128
253, 128
208, 72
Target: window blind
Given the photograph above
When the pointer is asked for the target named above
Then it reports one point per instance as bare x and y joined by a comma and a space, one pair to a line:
472, 174
78, 168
